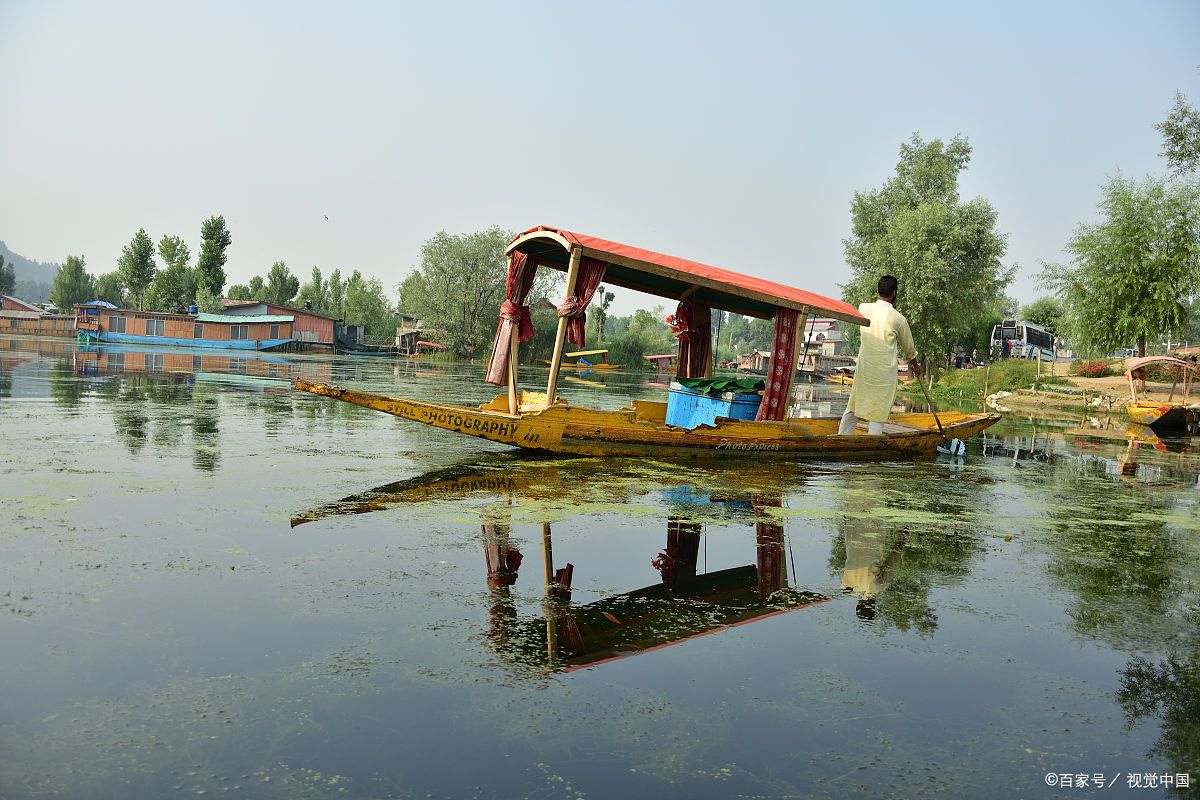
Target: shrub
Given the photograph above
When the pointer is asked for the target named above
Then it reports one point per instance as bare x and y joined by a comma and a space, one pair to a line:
1091, 369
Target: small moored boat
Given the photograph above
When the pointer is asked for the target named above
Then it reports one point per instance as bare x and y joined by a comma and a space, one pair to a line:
547, 422
1169, 415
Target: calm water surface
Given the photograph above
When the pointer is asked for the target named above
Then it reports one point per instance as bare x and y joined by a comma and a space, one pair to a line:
214, 585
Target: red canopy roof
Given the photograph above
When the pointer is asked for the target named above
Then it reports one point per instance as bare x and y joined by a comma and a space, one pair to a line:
681, 272
1134, 363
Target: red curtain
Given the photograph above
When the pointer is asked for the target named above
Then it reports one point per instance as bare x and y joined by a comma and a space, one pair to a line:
513, 312
591, 273
693, 325
502, 559
768, 535
783, 366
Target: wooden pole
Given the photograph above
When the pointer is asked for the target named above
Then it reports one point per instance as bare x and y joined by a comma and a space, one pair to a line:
560, 337
513, 394
548, 578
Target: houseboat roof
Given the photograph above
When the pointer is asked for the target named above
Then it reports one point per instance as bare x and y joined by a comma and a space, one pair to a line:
9, 300
678, 278
228, 304
242, 319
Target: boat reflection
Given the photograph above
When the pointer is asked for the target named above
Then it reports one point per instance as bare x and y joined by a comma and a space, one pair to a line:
684, 603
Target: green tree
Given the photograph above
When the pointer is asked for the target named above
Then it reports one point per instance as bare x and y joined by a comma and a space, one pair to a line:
174, 286
337, 295
257, 288
599, 309
1132, 274
1045, 311
207, 302
458, 287
210, 266
8, 277
110, 288
174, 252
367, 304
239, 291
281, 285
173, 289
136, 267
72, 284
1181, 136
646, 333
315, 291
945, 253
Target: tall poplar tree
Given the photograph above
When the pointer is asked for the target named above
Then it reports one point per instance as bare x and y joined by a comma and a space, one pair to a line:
136, 267
210, 265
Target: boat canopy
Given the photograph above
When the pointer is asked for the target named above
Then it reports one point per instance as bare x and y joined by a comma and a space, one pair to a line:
1138, 363
677, 278
582, 353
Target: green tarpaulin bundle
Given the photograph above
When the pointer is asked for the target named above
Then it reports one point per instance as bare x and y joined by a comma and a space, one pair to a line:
718, 385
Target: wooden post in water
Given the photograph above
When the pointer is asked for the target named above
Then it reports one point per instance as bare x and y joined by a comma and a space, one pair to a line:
548, 578
560, 337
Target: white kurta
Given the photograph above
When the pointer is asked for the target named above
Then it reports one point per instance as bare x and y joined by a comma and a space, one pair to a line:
884, 343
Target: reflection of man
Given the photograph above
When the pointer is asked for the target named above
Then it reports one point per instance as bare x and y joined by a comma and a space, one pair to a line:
887, 339
869, 566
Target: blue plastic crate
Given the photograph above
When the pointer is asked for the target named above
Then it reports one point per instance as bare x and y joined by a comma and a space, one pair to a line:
687, 408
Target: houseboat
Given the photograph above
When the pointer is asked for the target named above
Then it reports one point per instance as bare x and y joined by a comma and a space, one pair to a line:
97, 323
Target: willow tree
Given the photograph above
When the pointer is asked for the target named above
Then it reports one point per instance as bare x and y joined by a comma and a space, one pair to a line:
1133, 274
946, 253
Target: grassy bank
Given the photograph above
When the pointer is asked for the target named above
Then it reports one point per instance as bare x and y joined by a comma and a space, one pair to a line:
1003, 376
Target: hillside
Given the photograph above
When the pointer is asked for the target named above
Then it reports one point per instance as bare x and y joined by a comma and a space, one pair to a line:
34, 278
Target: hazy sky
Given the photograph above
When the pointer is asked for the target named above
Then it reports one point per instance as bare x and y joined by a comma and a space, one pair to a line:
729, 133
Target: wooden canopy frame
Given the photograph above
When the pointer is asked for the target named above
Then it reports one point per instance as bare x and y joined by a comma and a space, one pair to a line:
663, 276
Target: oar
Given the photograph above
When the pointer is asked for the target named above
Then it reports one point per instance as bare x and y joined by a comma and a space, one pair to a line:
925, 391
952, 447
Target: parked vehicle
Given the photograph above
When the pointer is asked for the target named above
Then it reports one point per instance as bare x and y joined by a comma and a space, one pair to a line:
1025, 340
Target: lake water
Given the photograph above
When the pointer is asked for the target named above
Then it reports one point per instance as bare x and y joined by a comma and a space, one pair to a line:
213, 585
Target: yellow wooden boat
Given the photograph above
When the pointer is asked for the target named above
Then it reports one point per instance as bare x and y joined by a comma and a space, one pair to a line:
583, 364
1162, 416
545, 421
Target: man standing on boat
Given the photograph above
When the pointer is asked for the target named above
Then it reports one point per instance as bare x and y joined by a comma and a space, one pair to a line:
883, 343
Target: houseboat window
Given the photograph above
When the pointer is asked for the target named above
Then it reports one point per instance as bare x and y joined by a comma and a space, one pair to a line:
116, 324
155, 327
197, 363
154, 362
116, 361
239, 331
198, 331
237, 366
274, 332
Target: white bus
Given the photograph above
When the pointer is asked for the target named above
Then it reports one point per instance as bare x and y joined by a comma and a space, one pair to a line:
1025, 340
